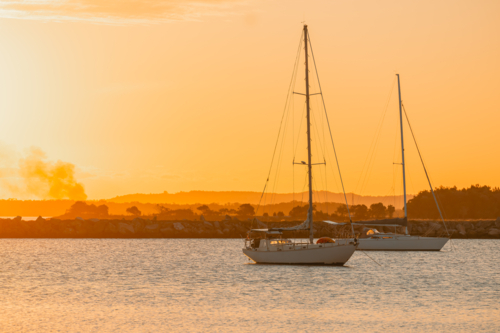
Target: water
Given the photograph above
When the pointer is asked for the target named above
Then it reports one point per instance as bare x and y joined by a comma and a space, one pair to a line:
207, 285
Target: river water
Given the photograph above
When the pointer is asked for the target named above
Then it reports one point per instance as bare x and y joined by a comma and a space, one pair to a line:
207, 285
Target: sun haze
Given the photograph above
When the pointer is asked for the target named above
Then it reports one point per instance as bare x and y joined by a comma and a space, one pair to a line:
145, 97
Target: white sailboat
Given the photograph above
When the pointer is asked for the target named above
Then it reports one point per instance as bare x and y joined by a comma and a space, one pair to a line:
376, 241
269, 246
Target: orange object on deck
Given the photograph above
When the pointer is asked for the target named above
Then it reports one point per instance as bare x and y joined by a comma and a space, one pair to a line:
325, 240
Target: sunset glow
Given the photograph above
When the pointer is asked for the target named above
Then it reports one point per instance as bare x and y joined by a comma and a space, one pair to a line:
188, 95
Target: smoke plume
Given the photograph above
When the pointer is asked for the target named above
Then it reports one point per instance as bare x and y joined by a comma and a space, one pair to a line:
35, 176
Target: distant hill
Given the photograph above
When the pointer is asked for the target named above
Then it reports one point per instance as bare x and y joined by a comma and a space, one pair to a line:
224, 197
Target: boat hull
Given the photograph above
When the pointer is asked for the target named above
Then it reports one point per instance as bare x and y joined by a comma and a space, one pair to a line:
402, 243
332, 255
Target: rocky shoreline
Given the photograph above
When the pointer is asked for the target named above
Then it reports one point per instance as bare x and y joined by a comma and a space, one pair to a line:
150, 228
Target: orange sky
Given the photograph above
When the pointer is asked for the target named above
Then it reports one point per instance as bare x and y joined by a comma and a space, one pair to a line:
179, 95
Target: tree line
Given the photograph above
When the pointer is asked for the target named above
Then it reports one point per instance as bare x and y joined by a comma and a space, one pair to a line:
475, 202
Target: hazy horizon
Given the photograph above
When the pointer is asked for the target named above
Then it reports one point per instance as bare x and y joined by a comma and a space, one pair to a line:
101, 100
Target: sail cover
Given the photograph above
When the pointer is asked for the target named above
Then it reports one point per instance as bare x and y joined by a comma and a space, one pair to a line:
334, 223
396, 221
303, 226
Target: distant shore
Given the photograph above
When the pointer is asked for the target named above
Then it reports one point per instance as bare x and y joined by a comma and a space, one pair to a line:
229, 228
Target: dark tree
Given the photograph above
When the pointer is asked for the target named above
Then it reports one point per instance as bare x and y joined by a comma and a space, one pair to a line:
300, 212
134, 211
359, 212
175, 214
390, 211
82, 209
476, 202
223, 211
377, 210
341, 211
204, 209
246, 210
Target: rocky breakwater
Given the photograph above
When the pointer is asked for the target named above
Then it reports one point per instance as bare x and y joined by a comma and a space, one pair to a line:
479, 229
136, 228
228, 228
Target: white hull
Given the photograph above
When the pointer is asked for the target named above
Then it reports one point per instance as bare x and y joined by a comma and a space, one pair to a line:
311, 254
390, 242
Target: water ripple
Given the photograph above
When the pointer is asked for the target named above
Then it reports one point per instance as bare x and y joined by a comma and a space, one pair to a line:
147, 285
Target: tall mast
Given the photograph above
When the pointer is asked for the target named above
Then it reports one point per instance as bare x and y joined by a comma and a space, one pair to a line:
402, 149
309, 165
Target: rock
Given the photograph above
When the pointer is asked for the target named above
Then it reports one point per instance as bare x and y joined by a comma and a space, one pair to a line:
152, 228
166, 230
17, 219
98, 227
494, 232
94, 220
125, 228
111, 228
76, 224
435, 226
497, 222
470, 226
227, 218
208, 224
217, 224
138, 225
178, 226
461, 229
79, 218
202, 218
480, 231
40, 219
69, 231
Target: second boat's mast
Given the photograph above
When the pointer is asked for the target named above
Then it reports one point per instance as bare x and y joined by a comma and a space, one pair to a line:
309, 165
402, 150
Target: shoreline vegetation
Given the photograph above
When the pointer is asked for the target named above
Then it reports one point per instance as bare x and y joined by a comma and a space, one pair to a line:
471, 213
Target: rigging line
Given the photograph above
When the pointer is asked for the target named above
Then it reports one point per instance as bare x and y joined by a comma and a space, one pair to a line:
318, 147
281, 149
300, 127
329, 128
425, 169
322, 180
315, 130
280, 154
303, 188
321, 143
281, 123
439, 200
373, 144
366, 254
318, 194
329, 159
